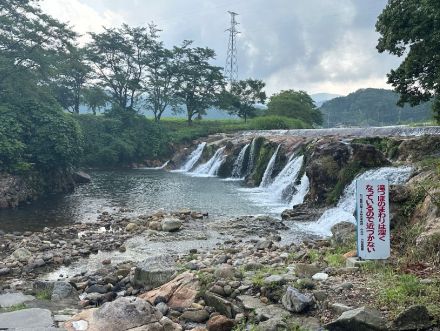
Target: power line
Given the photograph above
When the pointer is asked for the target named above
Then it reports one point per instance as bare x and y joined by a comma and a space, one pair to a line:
231, 68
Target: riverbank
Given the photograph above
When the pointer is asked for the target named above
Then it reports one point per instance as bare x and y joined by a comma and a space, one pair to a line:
246, 278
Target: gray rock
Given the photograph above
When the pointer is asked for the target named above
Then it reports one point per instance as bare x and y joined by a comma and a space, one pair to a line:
12, 299
414, 318
339, 308
97, 289
125, 313
225, 271
306, 270
272, 324
171, 225
220, 304
21, 254
197, 316
274, 280
81, 177
62, 290
4, 271
343, 232
163, 308
271, 311
27, 318
295, 301
154, 271
264, 244
249, 302
360, 319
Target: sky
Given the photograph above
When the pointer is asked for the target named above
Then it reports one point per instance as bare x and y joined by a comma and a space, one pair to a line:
320, 46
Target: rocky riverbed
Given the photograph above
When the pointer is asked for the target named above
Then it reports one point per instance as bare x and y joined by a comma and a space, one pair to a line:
245, 278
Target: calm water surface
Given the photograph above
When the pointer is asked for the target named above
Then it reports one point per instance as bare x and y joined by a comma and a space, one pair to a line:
140, 190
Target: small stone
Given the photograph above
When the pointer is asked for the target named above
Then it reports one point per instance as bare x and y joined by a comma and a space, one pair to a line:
171, 225
220, 323
197, 316
295, 301
320, 276
106, 262
122, 249
225, 271
131, 227
339, 308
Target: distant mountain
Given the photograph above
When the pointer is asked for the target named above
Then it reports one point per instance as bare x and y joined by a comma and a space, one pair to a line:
372, 107
320, 98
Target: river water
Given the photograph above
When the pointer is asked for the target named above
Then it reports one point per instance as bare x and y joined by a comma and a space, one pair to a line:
141, 190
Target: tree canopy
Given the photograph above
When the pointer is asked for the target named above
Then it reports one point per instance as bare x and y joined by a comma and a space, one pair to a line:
295, 104
242, 98
411, 29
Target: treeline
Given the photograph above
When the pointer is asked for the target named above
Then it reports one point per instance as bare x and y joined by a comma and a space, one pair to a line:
120, 74
372, 107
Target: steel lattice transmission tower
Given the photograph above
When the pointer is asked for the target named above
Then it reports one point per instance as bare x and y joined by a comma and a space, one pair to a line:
231, 68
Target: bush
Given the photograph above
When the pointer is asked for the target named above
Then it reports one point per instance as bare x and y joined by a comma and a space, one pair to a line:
275, 123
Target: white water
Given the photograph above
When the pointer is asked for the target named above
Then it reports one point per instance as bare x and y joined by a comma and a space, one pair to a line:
238, 164
281, 193
251, 160
156, 168
267, 177
347, 203
210, 168
192, 158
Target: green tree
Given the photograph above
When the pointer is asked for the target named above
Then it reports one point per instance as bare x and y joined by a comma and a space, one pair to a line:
73, 74
161, 80
95, 98
120, 58
243, 97
410, 28
199, 83
295, 104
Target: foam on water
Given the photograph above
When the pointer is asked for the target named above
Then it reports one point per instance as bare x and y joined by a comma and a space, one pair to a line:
193, 158
210, 168
344, 211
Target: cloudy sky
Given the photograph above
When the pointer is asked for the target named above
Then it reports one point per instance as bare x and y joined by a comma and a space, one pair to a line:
313, 45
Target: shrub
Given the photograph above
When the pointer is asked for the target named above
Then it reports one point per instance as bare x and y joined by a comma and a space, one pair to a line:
275, 123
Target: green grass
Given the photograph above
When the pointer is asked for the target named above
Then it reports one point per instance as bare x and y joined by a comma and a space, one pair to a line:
398, 291
19, 306
43, 295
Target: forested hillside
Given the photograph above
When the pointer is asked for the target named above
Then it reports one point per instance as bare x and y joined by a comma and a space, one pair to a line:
372, 107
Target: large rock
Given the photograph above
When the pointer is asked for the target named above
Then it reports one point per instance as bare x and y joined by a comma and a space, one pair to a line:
343, 232
12, 299
80, 177
225, 271
220, 304
21, 254
306, 269
171, 225
180, 293
63, 290
295, 301
360, 319
414, 318
249, 302
30, 319
197, 316
154, 271
220, 323
122, 314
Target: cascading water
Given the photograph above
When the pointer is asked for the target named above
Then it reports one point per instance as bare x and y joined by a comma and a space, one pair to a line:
211, 167
238, 164
282, 192
267, 177
193, 158
250, 165
347, 203
157, 168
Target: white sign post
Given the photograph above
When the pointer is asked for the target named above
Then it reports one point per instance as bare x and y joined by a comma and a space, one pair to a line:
373, 219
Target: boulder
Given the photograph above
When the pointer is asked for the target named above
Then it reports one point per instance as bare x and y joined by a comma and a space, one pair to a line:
249, 302
295, 301
63, 290
180, 293
171, 225
343, 232
414, 318
21, 254
80, 177
220, 304
122, 314
12, 299
197, 316
220, 323
154, 271
360, 319
306, 270
225, 271
28, 319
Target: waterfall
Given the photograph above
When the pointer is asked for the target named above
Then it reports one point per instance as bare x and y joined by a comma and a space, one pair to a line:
267, 177
238, 164
282, 187
193, 158
250, 165
301, 190
211, 167
346, 206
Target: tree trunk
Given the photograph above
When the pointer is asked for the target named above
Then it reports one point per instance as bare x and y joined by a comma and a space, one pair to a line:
190, 119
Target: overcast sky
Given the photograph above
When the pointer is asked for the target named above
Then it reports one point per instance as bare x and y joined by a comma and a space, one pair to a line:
312, 45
